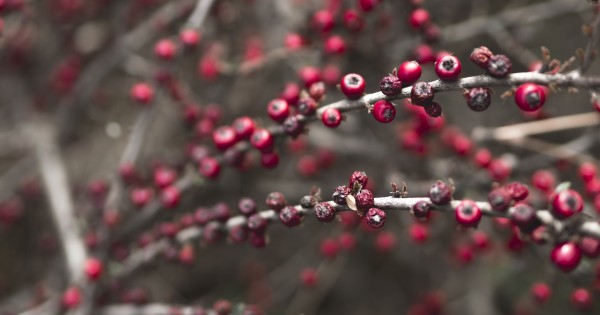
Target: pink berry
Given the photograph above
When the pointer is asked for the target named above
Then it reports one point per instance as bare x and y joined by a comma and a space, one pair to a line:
385, 242
164, 176
170, 197
419, 18
244, 127
331, 117
353, 85
140, 196
483, 158
409, 72
419, 233
309, 75
383, 111
224, 137
323, 21
262, 140
278, 109
587, 171
367, 5
541, 292
142, 93
71, 298
93, 268
353, 21
293, 41
566, 256
581, 299
567, 203
209, 167
468, 214
543, 180
448, 68
165, 49
189, 37
291, 93
530, 97
335, 45
309, 277
424, 54
590, 246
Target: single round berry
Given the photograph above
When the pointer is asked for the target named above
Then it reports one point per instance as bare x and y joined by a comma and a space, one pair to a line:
340, 194
307, 106
543, 180
323, 21
566, 256
479, 98
483, 158
353, 21
481, 56
291, 93
164, 176
367, 5
375, 218
247, 206
385, 242
140, 196
71, 298
384, 111
587, 171
364, 200
390, 85
590, 246
331, 117
269, 159
189, 37
419, 233
440, 193
278, 109
317, 90
170, 197
276, 201
224, 137
499, 199
334, 45
433, 110
409, 72
530, 97
290, 216
262, 140
468, 214
309, 277
421, 93
308, 201
309, 75
209, 167
541, 292
353, 85
567, 203
244, 127
293, 41
324, 212
448, 68
142, 93
581, 299
424, 54
524, 216
93, 268
222, 307
257, 223
292, 126
499, 66
358, 177
518, 191
419, 18
421, 209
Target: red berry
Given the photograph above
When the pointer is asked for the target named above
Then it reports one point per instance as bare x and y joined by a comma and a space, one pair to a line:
541, 292
257, 223
567, 203
353, 21
269, 160
307, 106
480, 240
353, 85
340, 194
409, 72
244, 127
375, 218
209, 167
142, 93
276, 201
309, 277
334, 45
293, 126
421, 209
590, 246
278, 109
358, 177
582, 299
224, 137
189, 37
543, 180
482, 158
587, 171
317, 90
390, 85
419, 233
421, 93
419, 18
165, 49
347, 241
293, 41
434, 110
291, 93
499, 199
164, 176
308, 166
518, 191
170, 197
247, 206
329, 248
424, 54
385, 242
71, 298
448, 68
479, 98
323, 21
290, 216
524, 216
364, 200
384, 111
309, 75
468, 214
93, 268
325, 212
262, 140
367, 5
331, 74
222, 307
530, 97
499, 170
499, 66
566, 256
440, 193
331, 117
481, 56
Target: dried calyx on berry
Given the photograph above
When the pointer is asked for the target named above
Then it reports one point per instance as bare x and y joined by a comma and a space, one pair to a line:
390, 85
440, 193
383, 111
478, 98
499, 66
340, 194
421, 94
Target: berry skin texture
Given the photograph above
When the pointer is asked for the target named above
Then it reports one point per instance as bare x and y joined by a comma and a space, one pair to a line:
209, 167
390, 85
384, 111
262, 140
224, 137
409, 72
293, 127
331, 117
499, 199
256, 223
375, 218
278, 109
307, 106
421, 94
518, 191
448, 68
468, 214
499, 66
359, 177
421, 209
71, 298
567, 203
244, 127
142, 93
566, 256
481, 56
340, 194
93, 268
479, 98
290, 216
276, 201
541, 292
364, 200
530, 97
324, 212
353, 85
440, 193
419, 18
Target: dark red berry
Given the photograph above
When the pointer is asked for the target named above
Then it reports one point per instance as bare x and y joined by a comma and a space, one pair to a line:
164, 176
353, 21
209, 167
203, 215
567, 203
384, 111
468, 214
440, 193
364, 200
479, 98
421, 209
499, 66
409, 72
353, 85
331, 117
278, 109
448, 68
325, 212
257, 223
590, 246
375, 218
224, 137
257, 239
244, 127
323, 21
587, 171
367, 5
262, 140
292, 126
518, 191
290, 216
566, 256
269, 159
307, 106
247, 206
543, 180
433, 109
390, 85
530, 97
421, 93
276, 201
581, 299
481, 56
499, 199
358, 177
340, 194
419, 18
239, 233
524, 216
